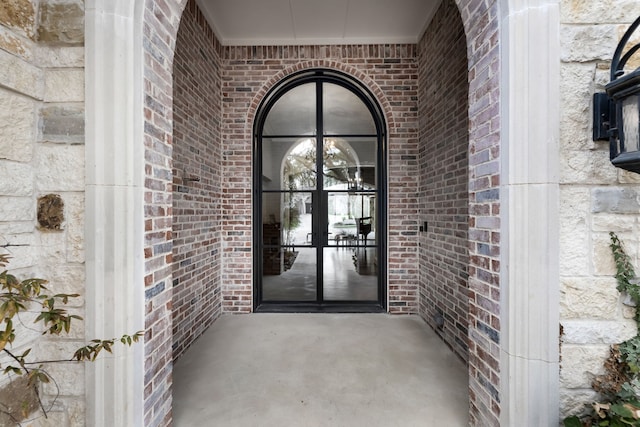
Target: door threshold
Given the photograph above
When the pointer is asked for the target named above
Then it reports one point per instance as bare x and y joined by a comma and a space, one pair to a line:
273, 307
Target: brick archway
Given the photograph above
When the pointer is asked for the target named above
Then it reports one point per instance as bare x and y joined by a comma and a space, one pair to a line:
320, 63
140, 207
482, 29
514, 363
128, 57
160, 23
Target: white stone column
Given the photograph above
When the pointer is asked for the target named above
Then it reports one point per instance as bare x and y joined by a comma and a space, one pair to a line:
530, 97
114, 208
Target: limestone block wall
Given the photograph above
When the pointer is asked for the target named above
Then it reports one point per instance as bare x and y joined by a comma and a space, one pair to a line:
42, 153
595, 198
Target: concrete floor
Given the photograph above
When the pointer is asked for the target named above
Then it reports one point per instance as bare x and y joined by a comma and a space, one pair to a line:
311, 370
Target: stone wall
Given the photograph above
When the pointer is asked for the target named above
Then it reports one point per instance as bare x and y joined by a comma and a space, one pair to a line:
595, 198
443, 160
197, 174
42, 153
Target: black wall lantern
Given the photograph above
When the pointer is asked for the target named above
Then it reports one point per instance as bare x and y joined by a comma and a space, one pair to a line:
617, 112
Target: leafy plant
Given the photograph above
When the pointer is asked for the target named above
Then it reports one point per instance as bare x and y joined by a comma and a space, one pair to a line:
32, 296
625, 273
290, 221
620, 385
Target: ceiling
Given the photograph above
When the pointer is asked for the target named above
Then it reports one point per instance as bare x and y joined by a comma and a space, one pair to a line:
309, 22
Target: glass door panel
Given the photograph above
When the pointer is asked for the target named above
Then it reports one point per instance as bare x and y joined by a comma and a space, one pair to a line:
340, 163
299, 171
349, 163
341, 222
297, 219
291, 213
294, 275
346, 278
350, 255
294, 113
288, 164
289, 259
344, 113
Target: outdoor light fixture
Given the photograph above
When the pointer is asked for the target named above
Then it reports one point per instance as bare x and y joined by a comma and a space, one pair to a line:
616, 113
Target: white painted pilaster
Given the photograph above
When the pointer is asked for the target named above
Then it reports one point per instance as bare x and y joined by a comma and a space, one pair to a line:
114, 208
530, 101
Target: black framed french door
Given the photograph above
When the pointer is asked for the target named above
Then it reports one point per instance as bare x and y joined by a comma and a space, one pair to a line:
319, 193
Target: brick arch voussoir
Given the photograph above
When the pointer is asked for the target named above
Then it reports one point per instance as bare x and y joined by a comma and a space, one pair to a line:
160, 24
357, 74
480, 19
475, 15
168, 14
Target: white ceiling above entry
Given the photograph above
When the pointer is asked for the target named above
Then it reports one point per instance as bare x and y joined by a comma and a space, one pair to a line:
308, 22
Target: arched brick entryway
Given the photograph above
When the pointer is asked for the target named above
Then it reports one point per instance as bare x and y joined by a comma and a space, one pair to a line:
503, 186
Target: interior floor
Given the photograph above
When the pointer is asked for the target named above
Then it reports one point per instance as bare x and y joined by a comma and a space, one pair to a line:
349, 275
320, 370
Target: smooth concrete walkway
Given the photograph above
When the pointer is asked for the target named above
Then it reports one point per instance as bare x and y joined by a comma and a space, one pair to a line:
312, 370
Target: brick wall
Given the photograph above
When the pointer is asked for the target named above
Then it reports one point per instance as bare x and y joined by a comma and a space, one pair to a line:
443, 160
391, 74
160, 26
481, 22
197, 168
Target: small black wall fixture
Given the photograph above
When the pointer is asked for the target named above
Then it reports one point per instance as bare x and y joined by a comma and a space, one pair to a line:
616, 113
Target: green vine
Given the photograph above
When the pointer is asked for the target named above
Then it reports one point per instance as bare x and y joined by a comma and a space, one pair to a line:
625, 274
32, 296
620, 385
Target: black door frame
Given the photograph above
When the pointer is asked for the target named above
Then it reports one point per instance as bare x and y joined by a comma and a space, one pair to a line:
348, 82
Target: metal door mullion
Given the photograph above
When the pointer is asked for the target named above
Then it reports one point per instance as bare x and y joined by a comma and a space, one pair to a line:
322, 206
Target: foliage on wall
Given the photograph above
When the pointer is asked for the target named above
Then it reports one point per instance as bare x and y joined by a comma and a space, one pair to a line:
31, 296
619, 386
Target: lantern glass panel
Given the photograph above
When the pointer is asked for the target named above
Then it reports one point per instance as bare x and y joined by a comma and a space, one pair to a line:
631, 123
